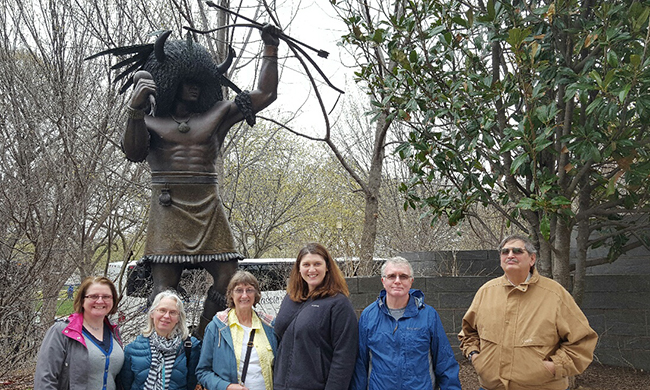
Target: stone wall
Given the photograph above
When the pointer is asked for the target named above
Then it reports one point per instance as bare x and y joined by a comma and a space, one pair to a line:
617, 306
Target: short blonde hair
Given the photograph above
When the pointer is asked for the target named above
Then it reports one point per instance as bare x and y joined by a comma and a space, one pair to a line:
181, 325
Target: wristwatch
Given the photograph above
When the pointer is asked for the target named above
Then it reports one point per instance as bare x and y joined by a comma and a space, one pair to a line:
471, 354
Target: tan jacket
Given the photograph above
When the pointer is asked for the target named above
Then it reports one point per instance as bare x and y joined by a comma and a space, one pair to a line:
516, 328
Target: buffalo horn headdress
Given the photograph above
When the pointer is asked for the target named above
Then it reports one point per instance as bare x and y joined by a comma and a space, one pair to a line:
171, 62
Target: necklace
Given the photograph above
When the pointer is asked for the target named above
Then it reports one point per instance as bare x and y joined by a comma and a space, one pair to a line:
183, 127
96, 329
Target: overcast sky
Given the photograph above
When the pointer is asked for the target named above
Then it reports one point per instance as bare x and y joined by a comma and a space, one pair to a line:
316, 25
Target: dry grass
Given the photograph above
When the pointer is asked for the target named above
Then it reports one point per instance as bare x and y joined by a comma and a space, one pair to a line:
596, 377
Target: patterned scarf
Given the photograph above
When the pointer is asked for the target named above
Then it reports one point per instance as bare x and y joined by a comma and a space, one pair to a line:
163, 355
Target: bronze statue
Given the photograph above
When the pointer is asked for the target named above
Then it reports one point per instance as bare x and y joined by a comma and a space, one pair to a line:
180, 136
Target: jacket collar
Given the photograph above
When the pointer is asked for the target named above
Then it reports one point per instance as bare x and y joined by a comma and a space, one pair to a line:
416, 302
224, 330
74, 329
265, 318
533, 279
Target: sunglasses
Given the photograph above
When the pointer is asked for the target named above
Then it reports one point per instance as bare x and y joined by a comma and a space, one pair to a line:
515, 251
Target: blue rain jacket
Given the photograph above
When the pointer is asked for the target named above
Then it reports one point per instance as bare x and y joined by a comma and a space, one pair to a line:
412, 353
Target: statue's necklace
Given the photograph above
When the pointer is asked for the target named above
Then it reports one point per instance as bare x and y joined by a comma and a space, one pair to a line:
183, 127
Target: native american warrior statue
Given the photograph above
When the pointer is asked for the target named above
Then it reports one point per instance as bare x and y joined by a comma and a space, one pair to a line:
177, 122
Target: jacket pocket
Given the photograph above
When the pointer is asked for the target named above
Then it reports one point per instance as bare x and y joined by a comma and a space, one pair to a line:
417, 343
311, 369
488, 374
529, 367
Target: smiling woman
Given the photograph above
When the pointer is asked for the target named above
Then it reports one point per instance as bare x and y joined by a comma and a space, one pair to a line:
156, 360
239, 343
316, 324
83, 351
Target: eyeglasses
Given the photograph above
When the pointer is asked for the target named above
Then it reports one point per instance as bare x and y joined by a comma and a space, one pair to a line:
248, 291
172, 313
515, 251
392, 277
97, 297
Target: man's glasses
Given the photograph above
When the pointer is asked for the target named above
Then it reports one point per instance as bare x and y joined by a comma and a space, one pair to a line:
393, 277
515, 251
248, 291
172, 313
96, 297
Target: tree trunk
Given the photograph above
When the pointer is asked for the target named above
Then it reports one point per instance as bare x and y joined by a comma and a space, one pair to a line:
582, 241
561, 254
371, 191
544, 257
581, 261
369, 235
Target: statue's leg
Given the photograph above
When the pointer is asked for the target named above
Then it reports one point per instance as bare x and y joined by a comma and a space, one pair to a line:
215, 301
165, 276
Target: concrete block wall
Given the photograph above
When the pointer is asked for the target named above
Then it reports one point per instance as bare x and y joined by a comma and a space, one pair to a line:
459, 263
617, 306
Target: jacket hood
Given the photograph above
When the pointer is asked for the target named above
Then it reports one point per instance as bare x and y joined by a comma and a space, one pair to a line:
223, 329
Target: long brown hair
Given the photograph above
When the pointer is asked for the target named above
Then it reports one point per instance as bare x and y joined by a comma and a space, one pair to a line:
333, 283
78, 302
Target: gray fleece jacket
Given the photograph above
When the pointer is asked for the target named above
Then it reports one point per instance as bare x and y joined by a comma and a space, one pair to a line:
63, 358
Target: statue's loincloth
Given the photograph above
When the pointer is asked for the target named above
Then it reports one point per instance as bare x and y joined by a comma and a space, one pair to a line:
192, 228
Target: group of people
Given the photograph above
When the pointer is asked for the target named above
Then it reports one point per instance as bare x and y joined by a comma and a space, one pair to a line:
522, 331
241, 348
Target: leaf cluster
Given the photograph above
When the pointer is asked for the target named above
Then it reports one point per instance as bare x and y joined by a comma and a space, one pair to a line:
527, 107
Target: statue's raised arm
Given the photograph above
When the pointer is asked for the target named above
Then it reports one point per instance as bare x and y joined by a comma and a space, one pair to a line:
249, 104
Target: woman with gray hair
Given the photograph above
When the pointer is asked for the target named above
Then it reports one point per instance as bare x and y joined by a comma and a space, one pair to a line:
240, 343
158, 358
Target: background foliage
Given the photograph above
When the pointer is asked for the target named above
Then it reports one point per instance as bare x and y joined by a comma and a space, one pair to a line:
538, 110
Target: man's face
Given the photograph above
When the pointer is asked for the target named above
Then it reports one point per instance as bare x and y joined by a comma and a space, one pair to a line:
516, 261
189, 91
397, 280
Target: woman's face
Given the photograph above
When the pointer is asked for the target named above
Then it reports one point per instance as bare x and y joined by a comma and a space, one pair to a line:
98, 300
243, 295
165, 316
313, 269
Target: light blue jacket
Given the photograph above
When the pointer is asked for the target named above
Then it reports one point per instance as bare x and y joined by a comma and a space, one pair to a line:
412, 353
137, 360
217, 366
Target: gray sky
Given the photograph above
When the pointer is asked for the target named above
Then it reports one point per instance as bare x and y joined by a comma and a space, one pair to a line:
316, 25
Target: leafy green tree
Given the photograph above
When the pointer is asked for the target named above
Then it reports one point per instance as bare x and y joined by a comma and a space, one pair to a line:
538, 109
